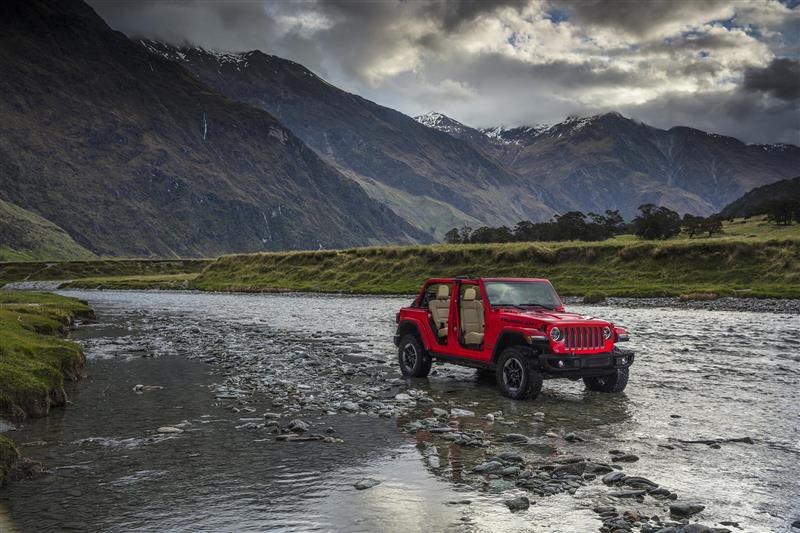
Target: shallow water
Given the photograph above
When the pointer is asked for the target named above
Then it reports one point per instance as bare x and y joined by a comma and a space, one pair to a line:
224, 360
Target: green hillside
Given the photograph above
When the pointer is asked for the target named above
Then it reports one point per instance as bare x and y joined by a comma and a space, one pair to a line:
26, 236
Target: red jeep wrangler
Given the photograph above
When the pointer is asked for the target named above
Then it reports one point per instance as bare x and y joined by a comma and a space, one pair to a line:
515, 327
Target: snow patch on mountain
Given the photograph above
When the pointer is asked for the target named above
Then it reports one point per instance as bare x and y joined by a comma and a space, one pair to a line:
441, 122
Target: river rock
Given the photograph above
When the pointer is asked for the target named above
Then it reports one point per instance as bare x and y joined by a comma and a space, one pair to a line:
613, 478
685, 509
627, 493
597, 468
796, 524
438, 411
297, 425
350, 406
510, 457
520, 503
489, 467
366, 483
625, 458
169, 429
461, 412
515, 438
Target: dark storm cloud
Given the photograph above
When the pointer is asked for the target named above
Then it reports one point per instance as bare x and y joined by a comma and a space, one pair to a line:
742, 114
703, 63
641, 17
780, 78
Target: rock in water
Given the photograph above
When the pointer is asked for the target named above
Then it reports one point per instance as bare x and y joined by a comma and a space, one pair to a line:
685, 509
520, 503
366, 483
613, 478
297, 426
169, 429
489, 467
461, 412
626, 458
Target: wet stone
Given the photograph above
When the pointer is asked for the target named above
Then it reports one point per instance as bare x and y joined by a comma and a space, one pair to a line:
520, 503
613, 478
685, 509
366, 483
625, 458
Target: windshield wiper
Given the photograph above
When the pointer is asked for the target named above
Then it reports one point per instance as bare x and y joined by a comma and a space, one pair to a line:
540, 305
510, 305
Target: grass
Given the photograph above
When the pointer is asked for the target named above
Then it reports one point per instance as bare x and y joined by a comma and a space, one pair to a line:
27, 236
34, 358
751, 258
726, 267
164, 282
107, 268
8, 456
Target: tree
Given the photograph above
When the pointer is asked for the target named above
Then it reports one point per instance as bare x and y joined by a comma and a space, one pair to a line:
655, 222
782, 212
453, 236
712, 225
466, 232
692, 224
614, 223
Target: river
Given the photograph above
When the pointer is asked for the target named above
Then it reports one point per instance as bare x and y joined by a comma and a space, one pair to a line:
168, 429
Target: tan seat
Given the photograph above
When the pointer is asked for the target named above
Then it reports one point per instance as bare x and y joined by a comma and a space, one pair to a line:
471, 317
440, 309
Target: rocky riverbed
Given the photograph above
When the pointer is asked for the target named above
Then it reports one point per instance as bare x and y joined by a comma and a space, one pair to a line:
288, 412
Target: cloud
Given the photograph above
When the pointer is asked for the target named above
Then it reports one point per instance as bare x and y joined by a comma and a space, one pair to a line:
781, 78
718, 65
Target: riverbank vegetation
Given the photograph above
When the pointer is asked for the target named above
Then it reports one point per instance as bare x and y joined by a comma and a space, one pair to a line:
750, 258
614, 268
16, 271
35, 359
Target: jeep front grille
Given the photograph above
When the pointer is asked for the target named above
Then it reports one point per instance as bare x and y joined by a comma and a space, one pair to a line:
583, 337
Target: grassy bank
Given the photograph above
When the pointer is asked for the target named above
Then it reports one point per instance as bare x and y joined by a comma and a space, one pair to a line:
109, 268
730, 266
34, 358
751, 258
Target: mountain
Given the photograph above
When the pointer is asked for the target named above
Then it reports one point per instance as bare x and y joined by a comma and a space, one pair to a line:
434, 180
131, 155
612, 162
756, 201
27, 236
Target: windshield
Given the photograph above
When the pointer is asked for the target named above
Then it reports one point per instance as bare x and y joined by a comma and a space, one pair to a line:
522, 293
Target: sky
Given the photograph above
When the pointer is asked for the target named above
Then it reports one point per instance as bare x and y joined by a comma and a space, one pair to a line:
729, 67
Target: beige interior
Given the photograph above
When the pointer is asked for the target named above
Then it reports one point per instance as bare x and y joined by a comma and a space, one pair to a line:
440, 309
471, 317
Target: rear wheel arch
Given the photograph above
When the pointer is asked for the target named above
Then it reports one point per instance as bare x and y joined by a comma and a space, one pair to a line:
410, 327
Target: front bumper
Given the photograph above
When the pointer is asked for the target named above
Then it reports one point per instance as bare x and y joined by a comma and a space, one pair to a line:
585, 365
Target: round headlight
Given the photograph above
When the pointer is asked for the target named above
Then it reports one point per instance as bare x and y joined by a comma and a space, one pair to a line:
607, 332
555, 334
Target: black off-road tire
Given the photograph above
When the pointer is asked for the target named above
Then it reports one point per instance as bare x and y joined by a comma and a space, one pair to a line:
516, 376
615, 382
415, 362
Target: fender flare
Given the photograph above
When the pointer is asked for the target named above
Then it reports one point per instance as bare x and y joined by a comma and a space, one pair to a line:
514, 337
410, 325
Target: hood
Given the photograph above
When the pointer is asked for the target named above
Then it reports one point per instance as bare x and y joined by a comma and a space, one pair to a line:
549, 317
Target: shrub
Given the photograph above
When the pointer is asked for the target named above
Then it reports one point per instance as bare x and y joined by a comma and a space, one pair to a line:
594, 298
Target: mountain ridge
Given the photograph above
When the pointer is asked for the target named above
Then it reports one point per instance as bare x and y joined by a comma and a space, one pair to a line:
683, 168
132, 155
434, 179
